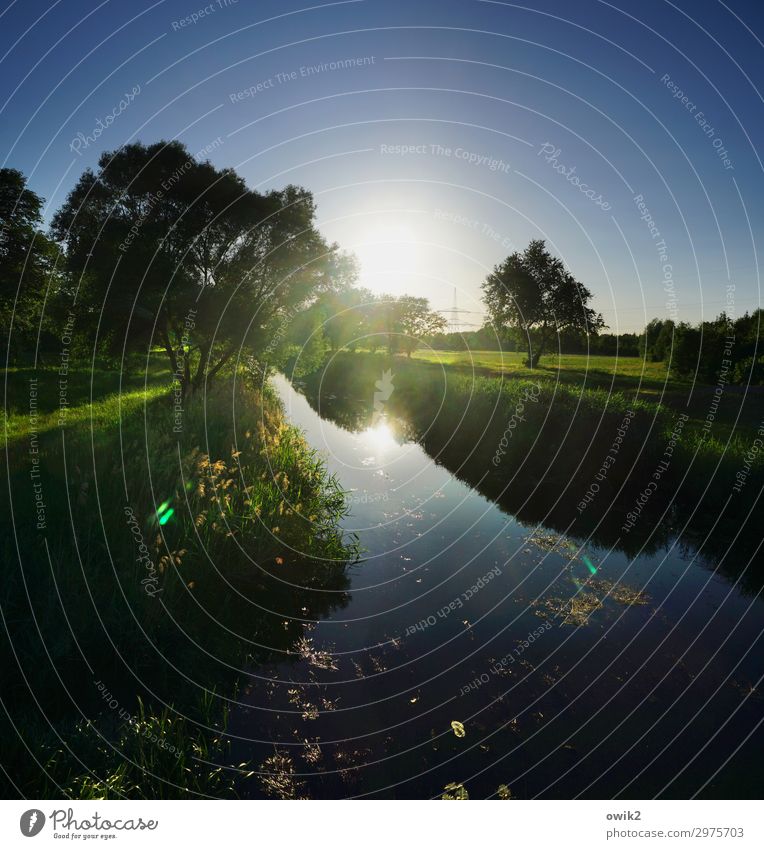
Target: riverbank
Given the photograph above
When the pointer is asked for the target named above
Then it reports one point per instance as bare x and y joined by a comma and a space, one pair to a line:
611, 466
153, 551
739, 415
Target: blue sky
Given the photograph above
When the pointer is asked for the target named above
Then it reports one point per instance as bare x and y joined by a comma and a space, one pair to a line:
444, 133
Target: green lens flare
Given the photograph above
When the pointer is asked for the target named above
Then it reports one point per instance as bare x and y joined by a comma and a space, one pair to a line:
162, 507
592, 567
166, 517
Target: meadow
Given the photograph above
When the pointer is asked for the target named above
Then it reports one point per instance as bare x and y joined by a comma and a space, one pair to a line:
736, 420
578, 367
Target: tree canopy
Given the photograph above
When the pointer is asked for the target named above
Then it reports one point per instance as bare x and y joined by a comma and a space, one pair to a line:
27, 266
534, 293
169, 250
409, 320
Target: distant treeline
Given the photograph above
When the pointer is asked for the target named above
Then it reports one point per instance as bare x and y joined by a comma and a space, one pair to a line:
724, 348
488, 338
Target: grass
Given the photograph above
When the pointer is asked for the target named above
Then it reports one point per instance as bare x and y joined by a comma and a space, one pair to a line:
597, 370
160, 556
154, 755
652, 382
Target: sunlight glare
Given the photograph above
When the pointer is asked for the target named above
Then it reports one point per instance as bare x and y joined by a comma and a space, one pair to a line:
380, 437
389, 248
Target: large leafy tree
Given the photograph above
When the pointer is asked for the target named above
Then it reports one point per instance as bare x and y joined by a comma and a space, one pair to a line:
27, 267
409, 320
413, 320
169, 250
346, 316
534, 293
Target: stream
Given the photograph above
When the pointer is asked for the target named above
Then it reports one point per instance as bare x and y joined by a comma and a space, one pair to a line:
474, 654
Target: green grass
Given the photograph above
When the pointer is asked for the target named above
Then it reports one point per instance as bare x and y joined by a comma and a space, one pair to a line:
736, 420
254, 528
95, 398
623, 372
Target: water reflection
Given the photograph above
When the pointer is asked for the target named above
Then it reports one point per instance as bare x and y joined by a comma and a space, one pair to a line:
678, 520
571, 667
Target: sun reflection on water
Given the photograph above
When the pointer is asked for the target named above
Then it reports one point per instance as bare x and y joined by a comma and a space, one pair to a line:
380, 437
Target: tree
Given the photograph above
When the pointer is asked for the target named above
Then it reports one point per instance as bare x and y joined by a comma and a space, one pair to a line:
344, 315
376, 322
27, 266
532, 291
170, 250
685, 354
656, 341
409, 320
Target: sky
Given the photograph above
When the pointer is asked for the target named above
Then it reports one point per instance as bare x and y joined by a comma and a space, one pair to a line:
437, 137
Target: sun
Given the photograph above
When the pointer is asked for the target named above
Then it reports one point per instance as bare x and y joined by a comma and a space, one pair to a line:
389, 249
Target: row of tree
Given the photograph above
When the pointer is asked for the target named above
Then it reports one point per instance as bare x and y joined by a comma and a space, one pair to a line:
29, 266
535, 303
725, 348
356, 318
490, 338
160, 250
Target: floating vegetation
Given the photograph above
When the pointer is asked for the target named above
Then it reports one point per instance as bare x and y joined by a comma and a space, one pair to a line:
503, 792
278, 779
309, 710
619, 593
348, 762
589, 598
458, 728
455, 792
315, 657
561, 545
547, 541
312, 752
570, 611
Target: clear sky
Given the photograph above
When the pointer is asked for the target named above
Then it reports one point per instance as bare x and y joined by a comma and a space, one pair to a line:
436, 136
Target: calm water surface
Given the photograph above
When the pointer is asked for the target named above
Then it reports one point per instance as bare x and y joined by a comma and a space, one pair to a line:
574, 670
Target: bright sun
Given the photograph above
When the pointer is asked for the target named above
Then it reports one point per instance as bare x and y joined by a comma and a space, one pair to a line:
389, 249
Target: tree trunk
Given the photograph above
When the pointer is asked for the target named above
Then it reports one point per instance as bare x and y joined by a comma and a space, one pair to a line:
533, 358
176, 372
532, 361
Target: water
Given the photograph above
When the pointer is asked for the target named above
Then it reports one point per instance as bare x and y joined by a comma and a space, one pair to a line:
574, 670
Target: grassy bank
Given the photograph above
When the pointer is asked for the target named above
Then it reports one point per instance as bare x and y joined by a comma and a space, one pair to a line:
648, 381
573, 456
152, 554
623, 370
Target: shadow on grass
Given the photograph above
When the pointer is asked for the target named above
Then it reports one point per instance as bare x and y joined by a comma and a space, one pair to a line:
162, 607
